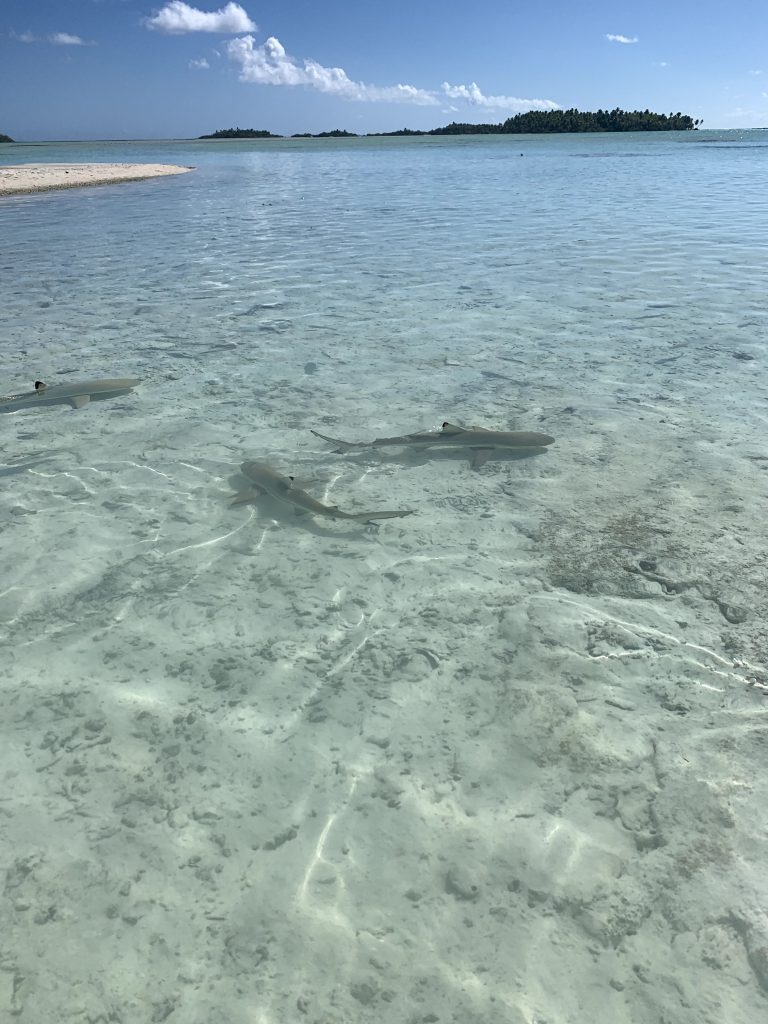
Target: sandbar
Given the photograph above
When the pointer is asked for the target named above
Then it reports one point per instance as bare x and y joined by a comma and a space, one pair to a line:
21, 178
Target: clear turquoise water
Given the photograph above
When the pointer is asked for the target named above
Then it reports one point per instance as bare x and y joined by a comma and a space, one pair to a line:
491, 762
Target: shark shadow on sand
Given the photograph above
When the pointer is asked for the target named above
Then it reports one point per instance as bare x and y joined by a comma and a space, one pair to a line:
416, 457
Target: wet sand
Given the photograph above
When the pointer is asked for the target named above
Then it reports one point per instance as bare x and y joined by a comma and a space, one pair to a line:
43, 177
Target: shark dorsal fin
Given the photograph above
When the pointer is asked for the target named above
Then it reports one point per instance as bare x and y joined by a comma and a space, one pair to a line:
40, 385
451, 428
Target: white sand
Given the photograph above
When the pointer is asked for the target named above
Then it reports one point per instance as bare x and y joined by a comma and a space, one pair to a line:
301, 772
43, 177
502, 762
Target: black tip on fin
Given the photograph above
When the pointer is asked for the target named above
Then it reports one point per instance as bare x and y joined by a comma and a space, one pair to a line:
40, 385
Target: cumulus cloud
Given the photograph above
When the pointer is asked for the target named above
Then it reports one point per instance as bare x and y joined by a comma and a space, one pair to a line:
65, 39
199, 65
178, 18
23, 37
269, 64
620, 39
472, 94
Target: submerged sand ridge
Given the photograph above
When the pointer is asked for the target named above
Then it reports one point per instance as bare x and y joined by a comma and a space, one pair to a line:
22, 178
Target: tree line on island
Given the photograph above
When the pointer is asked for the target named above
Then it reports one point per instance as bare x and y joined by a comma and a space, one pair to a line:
5, 138
533, 122
253, 133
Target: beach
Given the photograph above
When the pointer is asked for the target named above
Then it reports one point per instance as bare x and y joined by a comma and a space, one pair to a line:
44, 177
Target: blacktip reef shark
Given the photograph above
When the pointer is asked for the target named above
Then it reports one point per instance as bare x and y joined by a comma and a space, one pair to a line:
264, 478
77, 395
480, 442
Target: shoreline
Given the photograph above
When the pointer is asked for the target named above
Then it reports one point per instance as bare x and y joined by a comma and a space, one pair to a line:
19, 179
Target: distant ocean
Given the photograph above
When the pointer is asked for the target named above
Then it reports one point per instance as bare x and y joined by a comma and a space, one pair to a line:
500, 761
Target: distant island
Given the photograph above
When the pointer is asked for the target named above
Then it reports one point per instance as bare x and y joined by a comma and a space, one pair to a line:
555, 121
337, 133
5, 138
240, 133
534, 122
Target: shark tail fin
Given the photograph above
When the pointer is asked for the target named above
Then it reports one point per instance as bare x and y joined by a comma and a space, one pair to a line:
342, 446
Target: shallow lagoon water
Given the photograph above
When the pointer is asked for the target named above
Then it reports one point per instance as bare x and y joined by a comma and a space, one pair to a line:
498, 761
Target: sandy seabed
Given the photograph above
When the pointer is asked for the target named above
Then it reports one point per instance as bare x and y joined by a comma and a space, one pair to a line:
278, 779
44, 177
501, 762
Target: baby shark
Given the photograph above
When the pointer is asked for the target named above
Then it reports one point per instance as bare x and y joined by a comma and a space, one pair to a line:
77, 395
480, 442
265, 479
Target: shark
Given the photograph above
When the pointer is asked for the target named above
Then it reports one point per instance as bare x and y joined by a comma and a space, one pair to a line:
77, 395
266, 479
479, 441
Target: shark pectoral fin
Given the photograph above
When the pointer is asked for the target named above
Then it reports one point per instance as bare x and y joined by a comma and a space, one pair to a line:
243, 497
78, 401
479, 457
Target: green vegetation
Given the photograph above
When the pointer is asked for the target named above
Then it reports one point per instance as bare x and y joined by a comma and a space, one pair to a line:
240, 133
403, 131
337, 133
533, 122
5, 138
573, 120
552, 121
252, 133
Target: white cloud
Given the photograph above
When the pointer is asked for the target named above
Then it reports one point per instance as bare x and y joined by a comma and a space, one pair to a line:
177, 18
269, 64
199, 65
65, 39
620, 39
472, 94
664, 64
57, 38
755, 72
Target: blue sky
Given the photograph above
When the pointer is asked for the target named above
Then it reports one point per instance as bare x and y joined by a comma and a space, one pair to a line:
89, 69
